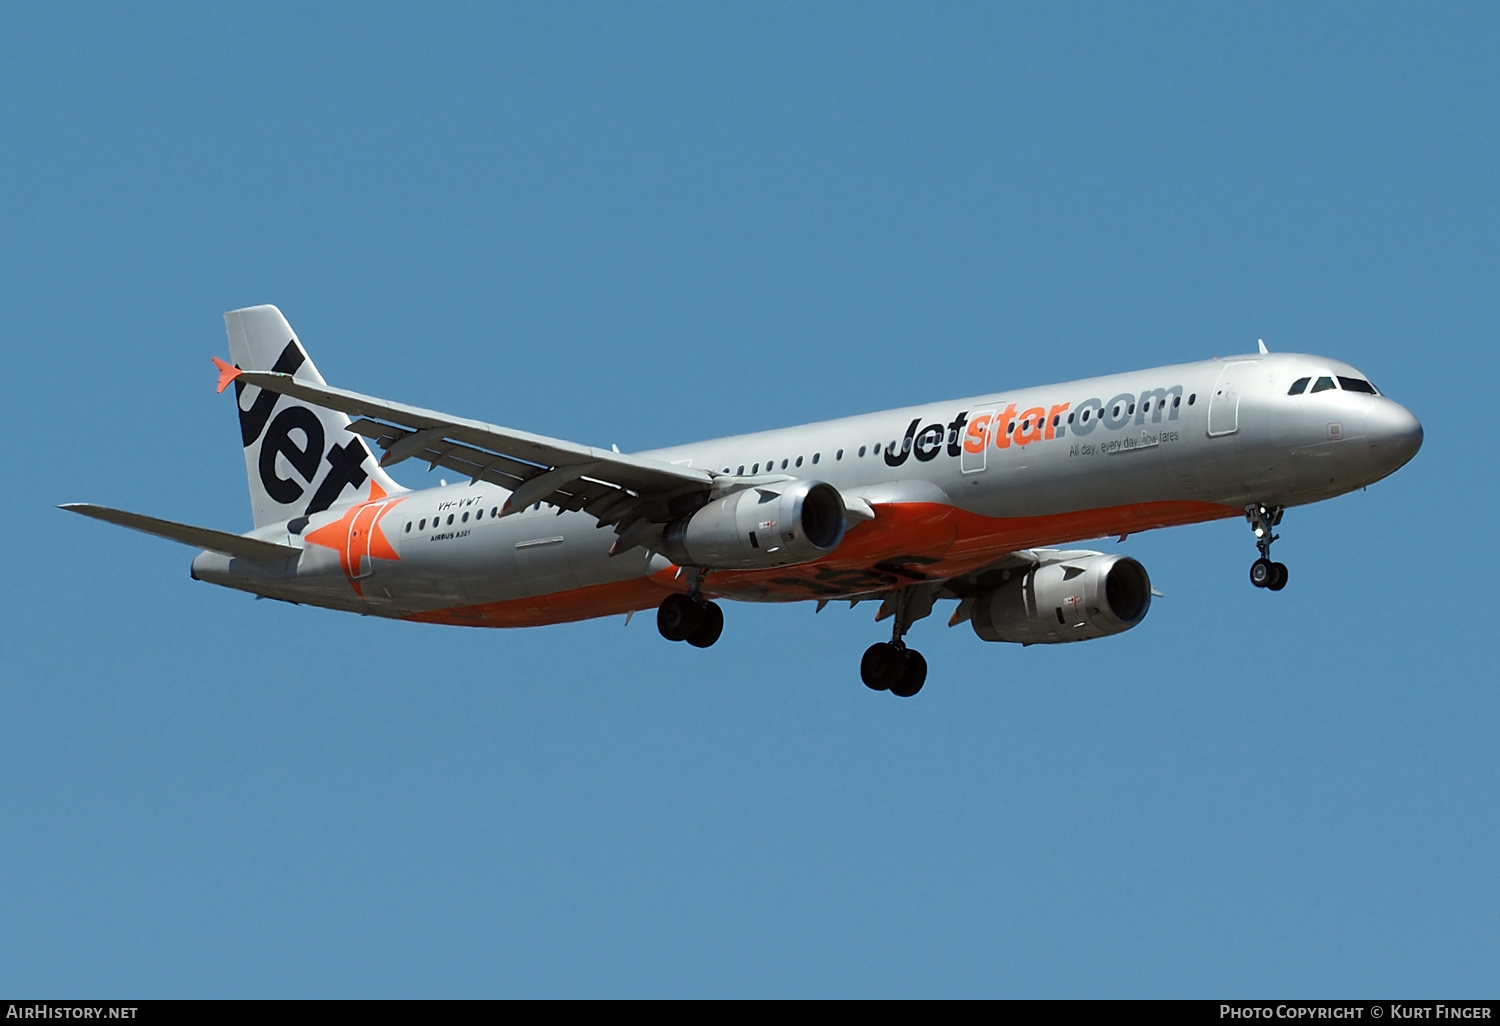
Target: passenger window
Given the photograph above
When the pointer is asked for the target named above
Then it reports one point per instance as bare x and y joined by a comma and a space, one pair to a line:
741, 470
838, 455
1131, 409
799, 461
1298, 387
1176, 401
408, 527
861, 452
815, 456
422, 524
494, 511
1357, 385
450, 518
1070, 418
783, 464
1192, 398
755, 469
465, 517
1323, 384
479, 515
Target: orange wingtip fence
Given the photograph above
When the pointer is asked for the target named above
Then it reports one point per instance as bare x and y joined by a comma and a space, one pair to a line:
227, 372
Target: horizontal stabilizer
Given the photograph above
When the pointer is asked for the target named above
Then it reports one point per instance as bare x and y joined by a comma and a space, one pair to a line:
234, 545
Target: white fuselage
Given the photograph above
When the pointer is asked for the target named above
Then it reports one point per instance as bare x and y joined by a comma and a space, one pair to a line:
953, 486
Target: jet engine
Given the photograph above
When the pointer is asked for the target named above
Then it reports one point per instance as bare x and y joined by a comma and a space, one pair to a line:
760, 527
1074, 600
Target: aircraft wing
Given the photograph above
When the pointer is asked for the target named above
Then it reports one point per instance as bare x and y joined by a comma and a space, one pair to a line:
614, 487
920, 597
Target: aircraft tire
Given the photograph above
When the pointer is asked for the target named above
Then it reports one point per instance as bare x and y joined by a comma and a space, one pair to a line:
709, 628
678, 617
915, 676
881, 666
1262, 573
1278, 580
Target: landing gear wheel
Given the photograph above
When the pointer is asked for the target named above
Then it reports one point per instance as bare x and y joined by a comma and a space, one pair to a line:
1262, 573
708, 630
900, 670
882, 666
914, 677
1278, 579
678, 617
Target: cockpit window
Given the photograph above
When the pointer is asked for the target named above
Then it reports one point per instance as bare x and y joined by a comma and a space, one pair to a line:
1357, 385
1299, 386
1323, 384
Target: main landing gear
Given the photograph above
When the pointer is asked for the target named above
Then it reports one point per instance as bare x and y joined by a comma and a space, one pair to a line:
1263, 572
890, 665
691, 617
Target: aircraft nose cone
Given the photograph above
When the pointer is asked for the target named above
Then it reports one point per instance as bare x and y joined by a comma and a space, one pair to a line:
1394, 434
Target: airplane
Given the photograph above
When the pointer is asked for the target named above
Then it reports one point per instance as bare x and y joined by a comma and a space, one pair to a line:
966, 500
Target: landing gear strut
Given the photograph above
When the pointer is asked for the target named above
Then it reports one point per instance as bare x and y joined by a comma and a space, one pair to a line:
890, 665
690, 617
1263, 572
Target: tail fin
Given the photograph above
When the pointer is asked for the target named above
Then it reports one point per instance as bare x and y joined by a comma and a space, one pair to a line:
301, 459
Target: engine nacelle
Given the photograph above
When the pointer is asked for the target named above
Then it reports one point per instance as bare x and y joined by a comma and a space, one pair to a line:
759, 527
1074, 600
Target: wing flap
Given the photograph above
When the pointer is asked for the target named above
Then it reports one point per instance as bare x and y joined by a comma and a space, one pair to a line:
236, 545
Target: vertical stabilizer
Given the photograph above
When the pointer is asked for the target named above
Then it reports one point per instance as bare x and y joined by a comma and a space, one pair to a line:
301, 459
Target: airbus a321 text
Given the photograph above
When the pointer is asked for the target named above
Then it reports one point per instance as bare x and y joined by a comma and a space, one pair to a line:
963, 500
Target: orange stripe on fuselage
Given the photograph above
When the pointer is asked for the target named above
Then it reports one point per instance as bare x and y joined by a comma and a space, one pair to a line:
559, 607
905, 542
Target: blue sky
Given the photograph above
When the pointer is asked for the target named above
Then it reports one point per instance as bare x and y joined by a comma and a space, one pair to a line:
644, 224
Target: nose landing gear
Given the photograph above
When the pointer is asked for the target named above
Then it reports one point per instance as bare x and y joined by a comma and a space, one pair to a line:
1263, 572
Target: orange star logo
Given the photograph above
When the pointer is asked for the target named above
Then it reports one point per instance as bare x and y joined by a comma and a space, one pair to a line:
357, 537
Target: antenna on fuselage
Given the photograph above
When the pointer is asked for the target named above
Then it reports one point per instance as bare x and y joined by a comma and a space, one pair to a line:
1262, 343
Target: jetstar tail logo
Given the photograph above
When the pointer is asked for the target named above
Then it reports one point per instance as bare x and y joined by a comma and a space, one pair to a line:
297, 435
357, 537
